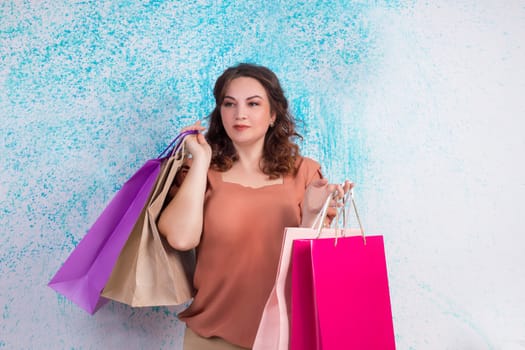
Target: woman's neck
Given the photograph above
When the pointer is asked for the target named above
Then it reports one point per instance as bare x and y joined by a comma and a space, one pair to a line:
249, 160
247, 170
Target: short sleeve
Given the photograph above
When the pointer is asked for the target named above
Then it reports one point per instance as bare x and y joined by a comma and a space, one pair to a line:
309, 170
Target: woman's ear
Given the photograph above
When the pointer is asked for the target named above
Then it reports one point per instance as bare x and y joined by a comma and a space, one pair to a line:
272, 120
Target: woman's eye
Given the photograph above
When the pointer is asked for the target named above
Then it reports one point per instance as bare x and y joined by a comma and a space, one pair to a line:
253, 104
227, 104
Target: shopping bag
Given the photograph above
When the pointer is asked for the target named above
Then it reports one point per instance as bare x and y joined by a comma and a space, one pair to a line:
340, 296
85, 272
149, 272
274, 326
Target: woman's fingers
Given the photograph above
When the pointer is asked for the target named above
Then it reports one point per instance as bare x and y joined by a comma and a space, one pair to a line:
320, 190
196, 144
196, 126
339, 192
348, 185
201, 139
336, 191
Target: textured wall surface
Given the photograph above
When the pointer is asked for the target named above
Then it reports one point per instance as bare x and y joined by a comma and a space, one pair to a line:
419, 103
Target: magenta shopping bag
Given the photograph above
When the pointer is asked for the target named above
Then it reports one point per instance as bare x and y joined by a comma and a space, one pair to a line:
274, 328
340, 296
84, 274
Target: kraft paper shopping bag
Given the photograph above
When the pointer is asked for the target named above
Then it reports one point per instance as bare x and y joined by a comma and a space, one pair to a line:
149, 272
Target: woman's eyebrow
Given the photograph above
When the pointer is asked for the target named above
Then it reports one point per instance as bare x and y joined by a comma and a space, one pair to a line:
248, 98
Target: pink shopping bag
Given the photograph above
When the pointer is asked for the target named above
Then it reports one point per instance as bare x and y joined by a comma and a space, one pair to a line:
340, 297
273, 332
274, 327
84, 274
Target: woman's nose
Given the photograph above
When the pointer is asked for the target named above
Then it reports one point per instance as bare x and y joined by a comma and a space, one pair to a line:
241, 113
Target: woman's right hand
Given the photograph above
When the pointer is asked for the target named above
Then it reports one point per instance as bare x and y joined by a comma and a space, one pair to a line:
197, 145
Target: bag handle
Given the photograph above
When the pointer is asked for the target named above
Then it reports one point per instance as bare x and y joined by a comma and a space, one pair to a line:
178, 139
318, 222
348, 197
350, 194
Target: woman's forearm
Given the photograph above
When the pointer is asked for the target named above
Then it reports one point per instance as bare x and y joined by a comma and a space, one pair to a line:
181, 221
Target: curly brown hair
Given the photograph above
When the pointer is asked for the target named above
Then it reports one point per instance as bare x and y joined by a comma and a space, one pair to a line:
280, 152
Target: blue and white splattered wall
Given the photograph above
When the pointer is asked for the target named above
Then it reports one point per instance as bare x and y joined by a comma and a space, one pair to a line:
420, 103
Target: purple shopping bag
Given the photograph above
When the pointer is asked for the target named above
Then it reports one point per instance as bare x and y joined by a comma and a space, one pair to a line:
84, 274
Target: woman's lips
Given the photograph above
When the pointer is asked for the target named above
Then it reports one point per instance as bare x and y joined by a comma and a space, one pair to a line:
240, 127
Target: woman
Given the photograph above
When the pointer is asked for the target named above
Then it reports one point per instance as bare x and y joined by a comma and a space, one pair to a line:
247, 182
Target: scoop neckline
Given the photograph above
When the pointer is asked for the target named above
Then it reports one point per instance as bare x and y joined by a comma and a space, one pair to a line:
250, 187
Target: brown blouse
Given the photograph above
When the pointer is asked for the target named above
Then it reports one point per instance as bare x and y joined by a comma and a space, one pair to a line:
239, 251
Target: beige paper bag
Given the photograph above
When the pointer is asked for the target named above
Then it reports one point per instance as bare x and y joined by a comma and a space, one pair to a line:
149, 272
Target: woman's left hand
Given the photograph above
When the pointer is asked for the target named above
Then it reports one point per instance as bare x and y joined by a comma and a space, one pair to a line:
316, 195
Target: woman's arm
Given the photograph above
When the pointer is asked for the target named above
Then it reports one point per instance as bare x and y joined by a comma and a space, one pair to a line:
181, 221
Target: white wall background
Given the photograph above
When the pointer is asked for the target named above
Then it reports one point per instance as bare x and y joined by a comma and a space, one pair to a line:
421, 103
445, 122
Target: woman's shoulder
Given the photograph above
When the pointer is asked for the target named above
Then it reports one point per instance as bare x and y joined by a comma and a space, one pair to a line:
308, 168
214, 178
308, 162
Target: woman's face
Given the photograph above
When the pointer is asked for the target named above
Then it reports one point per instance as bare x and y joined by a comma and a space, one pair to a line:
246, 112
